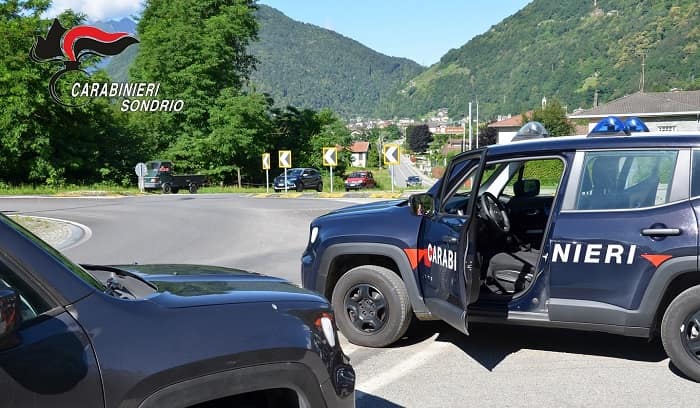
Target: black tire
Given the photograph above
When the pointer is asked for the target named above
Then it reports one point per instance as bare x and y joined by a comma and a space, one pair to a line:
176, 190
363, 319
300, 187
167, 188
680, 332
319, 187
347, 189
193, 188
276, 190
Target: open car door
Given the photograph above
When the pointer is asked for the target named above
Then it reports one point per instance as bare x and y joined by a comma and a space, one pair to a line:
449, 273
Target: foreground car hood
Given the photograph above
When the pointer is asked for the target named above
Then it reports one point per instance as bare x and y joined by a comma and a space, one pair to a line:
193, 285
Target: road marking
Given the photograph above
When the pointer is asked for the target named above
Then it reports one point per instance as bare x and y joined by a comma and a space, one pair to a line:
376, 382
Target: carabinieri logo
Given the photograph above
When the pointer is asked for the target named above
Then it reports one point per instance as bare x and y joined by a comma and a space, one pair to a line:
70, 46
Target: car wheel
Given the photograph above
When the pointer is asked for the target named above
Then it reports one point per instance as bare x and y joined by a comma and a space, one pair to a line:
347, 189
300, 187
319, 187
167, 188
372, 306
193, 188
276, 190
680, 332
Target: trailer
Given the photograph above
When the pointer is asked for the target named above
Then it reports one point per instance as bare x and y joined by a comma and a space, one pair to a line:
160, 176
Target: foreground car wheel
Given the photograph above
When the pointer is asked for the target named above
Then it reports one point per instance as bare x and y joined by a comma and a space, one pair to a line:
372, 306
680, 332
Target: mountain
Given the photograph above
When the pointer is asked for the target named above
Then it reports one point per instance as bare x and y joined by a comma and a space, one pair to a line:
564, 49
310, 67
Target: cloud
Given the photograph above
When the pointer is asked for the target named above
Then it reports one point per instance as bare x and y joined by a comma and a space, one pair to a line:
97, 9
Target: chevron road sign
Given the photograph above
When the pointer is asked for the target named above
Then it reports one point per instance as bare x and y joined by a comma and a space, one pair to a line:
391, 154
266, 161
285, 159
330, 156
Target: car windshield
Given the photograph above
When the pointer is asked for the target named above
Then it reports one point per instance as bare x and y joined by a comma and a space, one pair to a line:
293, 172
77, 270
357, 174
413, 178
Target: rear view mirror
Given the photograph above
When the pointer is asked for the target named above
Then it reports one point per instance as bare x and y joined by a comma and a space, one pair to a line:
526, 188
422, 204
10, 317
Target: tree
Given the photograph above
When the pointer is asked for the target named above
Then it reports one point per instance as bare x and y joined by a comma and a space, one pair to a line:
418, 138
40, 140
197, 51
553, 117
487, 135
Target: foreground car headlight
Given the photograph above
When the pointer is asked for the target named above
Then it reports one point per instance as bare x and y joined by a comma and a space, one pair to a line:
314, 234
325, 323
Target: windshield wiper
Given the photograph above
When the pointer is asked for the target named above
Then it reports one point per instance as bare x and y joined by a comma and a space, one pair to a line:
120, 272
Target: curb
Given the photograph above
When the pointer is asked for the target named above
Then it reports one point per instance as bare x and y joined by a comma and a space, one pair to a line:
63, 234
334, 195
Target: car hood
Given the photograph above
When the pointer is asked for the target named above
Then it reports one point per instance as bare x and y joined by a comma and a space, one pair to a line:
196, 285
362, 209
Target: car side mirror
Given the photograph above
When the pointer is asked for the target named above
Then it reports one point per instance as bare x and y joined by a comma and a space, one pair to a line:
10, 317
422, 204
527, 188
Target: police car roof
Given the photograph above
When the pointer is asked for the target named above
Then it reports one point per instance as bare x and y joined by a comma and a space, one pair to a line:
569, 143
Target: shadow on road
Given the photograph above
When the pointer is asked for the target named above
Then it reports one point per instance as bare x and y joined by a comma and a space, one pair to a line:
489, 345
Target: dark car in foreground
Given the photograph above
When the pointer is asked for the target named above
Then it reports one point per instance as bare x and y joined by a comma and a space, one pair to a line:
414, 181
299, 179
596, 233
160, 335
359, 179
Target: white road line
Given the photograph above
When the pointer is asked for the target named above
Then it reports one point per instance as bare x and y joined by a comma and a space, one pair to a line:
376, 382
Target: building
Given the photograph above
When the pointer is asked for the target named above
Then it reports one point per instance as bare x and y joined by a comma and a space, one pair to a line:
508, 127
661, 111
358, 154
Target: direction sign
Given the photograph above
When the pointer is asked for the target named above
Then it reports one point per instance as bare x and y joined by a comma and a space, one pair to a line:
285, 159
140, 169
330, 156
266, 161
391, 154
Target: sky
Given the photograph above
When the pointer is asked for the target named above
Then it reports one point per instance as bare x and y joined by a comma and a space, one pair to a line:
421, 30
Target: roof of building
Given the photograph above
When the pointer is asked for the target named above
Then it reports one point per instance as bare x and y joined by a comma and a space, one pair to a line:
359, 147
514, 121
647, 104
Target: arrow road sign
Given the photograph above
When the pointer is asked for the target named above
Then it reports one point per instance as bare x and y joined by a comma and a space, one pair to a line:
266, 161
391, 154
330, 156
285, 159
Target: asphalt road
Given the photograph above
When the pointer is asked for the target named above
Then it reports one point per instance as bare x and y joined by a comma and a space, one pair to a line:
434, 366
405, 169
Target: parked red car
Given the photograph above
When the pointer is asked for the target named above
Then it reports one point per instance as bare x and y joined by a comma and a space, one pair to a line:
359, 179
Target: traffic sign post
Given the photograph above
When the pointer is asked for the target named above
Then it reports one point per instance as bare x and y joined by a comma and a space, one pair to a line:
266, 167
285, 162
330, 159
140, 170
392, 156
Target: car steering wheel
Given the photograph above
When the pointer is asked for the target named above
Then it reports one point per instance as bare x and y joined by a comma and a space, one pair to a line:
495, 212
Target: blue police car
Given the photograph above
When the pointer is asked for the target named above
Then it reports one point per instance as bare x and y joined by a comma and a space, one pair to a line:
594, 233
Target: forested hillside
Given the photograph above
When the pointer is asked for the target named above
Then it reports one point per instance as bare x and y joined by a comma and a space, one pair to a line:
564, 49
310, 67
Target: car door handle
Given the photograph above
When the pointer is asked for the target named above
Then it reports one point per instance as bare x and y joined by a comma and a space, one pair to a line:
448, 239
658, 232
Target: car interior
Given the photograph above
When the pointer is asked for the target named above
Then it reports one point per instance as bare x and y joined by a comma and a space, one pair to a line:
514, 203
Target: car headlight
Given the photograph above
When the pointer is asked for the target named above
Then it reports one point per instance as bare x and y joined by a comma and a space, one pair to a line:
314, 234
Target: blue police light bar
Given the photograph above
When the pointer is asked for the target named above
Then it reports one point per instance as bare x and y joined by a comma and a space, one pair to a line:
636, 125
610, 126
531, 130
